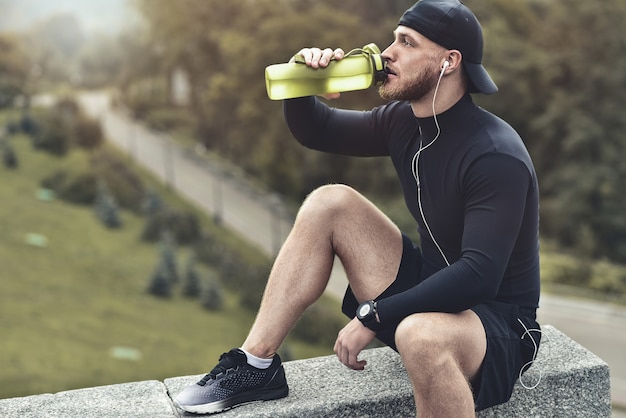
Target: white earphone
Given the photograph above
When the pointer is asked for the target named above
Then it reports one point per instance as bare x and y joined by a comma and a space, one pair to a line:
416, 161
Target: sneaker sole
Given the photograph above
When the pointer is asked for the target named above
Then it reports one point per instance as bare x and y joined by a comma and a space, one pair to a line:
243, 399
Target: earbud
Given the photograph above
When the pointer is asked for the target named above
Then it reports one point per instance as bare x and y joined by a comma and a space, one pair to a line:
446, 64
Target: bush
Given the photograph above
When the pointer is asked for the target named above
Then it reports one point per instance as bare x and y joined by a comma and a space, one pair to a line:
106, 207
28, 125
80, 189
169, 119
608, 278
88, 133
166, 271
210, 251
12, 127
54, 181
152, 203
212, 297
160, 284
9, 158
124, 184
184, 226
168, 255
139, 104
191, 281
54, 134
567, 270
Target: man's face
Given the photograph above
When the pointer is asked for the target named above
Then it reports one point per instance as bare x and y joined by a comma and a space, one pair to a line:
413, 65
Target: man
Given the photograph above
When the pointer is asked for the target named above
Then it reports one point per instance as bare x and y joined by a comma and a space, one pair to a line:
460, 309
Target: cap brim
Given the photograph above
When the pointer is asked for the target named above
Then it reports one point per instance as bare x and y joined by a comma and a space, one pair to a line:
480, 81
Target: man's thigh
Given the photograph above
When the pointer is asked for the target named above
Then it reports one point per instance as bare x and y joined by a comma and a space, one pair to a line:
366, 241
408, 275
458, 335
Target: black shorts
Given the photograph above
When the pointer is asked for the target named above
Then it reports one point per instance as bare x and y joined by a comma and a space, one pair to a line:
512, 333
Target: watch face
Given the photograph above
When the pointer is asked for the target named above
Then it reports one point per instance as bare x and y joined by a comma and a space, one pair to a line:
364, 310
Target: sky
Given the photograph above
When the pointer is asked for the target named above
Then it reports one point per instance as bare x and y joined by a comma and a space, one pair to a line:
107, 16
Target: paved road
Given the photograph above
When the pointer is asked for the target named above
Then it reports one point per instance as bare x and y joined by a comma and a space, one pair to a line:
599, 327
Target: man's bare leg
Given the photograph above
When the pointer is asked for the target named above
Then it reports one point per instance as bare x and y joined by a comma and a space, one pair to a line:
442, 353
333, 220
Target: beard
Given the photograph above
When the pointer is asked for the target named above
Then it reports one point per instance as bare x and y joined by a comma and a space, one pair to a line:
417, 86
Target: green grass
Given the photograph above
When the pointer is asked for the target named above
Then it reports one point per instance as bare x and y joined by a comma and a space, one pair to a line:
65, 306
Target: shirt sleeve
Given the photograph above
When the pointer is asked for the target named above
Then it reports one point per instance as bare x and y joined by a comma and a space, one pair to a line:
348, 132
496, 191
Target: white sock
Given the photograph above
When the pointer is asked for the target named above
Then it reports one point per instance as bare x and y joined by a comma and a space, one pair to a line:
259, 363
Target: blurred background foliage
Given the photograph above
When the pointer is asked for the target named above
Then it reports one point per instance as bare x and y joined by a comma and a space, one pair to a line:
560, 66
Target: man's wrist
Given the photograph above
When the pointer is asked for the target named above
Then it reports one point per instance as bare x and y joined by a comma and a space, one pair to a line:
367, 313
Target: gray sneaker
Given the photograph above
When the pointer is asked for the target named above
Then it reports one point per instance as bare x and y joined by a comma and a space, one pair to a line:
233, 382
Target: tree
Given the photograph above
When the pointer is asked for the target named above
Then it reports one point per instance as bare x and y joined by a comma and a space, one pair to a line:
212, 297
106, 208
191, 282
160, 283
166, 271
561, 88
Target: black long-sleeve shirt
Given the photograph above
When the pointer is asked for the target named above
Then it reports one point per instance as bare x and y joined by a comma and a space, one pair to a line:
479, 196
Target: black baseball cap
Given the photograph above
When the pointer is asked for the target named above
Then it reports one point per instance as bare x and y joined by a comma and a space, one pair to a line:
452, 25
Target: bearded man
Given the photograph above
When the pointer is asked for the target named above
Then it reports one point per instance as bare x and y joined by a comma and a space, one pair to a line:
460, 308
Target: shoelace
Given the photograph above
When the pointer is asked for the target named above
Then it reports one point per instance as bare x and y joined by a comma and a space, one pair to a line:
227, 361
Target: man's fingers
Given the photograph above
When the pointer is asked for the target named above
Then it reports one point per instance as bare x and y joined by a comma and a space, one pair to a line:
316, 57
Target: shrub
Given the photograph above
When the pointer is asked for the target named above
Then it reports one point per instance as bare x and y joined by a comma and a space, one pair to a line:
160, 284
54, 181
152, 203
106, 208
167, 250
168, 119
212, 297
191, 281
88, 133
165, 273
9, 158
80, 189
608, 278
564, 270
54, 134
12, 127
28, 125
210, 251
184, 226
121, 179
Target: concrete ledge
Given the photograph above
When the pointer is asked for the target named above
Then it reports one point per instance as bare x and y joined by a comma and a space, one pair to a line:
574, 383
137, 399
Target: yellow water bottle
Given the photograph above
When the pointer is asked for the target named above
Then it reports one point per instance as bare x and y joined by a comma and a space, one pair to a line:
358, 70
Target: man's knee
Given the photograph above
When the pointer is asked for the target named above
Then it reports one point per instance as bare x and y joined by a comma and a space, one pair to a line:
422, 339
417, 334
434, 340
332, 199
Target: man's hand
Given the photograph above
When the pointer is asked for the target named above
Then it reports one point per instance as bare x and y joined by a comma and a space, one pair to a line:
352, 339
316, 58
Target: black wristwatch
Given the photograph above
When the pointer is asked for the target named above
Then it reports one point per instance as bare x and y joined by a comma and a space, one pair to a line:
366, 312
